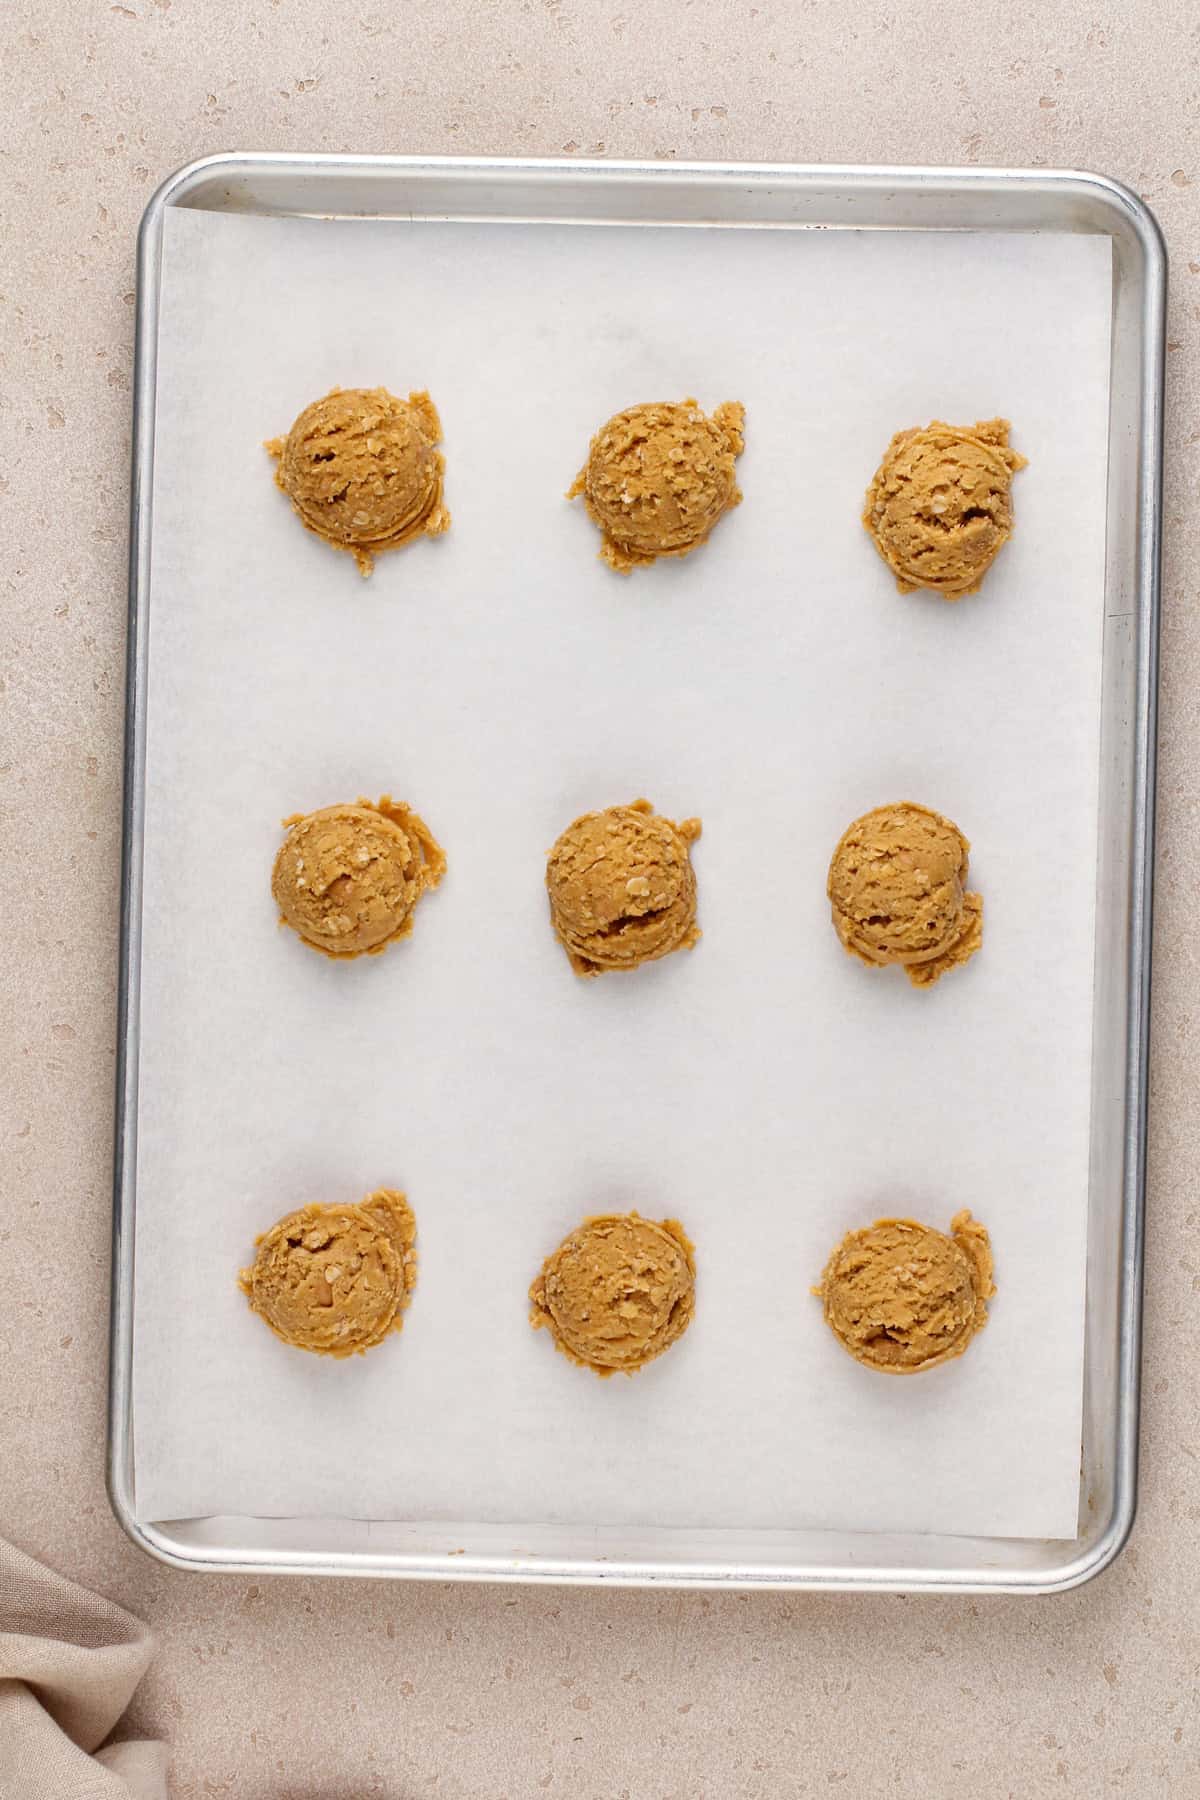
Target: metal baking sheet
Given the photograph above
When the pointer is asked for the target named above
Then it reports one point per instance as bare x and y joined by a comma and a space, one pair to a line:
616, 195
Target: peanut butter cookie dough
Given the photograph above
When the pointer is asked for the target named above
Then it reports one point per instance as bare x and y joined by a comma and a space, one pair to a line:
658, 477
361, 469
940, 506
617, 1292
347, 879
896, 888
902, 1297
336, 1279
622, 888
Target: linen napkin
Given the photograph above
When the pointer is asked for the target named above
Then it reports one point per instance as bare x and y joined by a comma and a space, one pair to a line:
69, 1662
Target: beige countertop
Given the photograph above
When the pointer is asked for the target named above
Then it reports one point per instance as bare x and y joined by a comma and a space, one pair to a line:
329, 1689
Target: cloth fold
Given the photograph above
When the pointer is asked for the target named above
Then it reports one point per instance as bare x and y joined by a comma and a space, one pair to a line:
69, 1663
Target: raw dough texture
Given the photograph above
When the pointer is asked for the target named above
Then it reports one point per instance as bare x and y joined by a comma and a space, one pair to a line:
617, 1292
347, 878
361, 470
658, 477
336, 1279
896, 887
902, 1297
622, 888
940, 506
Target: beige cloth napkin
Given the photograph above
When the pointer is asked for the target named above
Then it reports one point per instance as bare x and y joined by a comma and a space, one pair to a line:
69, 1662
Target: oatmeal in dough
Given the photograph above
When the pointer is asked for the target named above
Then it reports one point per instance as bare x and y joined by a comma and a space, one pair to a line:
617, 1292
361, 469
347, 879
902, 1297
658, 477
622, 888
940, 506
896, 886
336, 1279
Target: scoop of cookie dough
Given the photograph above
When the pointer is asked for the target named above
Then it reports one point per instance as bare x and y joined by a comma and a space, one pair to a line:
896, 888
658, 477
361, 469
347, 878
617, 1292
336, 1279
902, 1297
940, 506
622, 888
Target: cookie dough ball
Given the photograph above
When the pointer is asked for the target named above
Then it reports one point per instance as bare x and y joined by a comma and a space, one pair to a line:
902, 1297
622, 888
896, 885
347, 878
658, 477
617, 1292
336, 1279
361, 469
940, 506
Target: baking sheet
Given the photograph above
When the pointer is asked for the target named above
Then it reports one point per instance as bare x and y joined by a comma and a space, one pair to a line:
765, 1088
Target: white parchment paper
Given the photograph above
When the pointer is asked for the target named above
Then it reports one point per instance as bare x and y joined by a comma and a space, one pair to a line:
765, 1089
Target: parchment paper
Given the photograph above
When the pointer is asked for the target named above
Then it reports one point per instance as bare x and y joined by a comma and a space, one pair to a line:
765, 1089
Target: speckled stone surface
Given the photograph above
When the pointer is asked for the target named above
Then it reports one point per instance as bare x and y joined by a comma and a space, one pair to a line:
339, 1691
